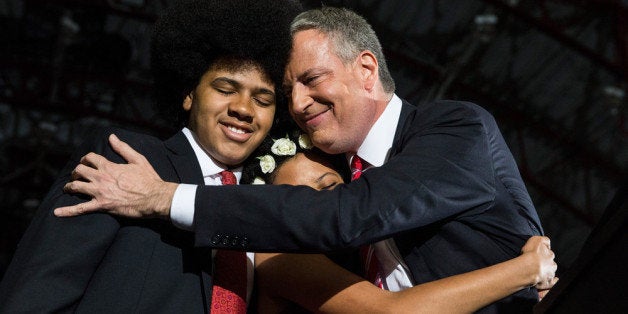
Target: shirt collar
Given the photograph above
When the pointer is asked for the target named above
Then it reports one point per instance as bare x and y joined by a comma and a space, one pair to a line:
209, 167
379, 140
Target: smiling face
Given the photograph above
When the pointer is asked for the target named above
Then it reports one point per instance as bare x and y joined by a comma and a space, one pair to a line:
330, 100
231, 111
308, 169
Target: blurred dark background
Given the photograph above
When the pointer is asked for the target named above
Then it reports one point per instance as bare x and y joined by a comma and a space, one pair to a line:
554, 74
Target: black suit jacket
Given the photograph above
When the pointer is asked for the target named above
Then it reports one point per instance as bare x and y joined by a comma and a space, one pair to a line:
97, 263
450, 195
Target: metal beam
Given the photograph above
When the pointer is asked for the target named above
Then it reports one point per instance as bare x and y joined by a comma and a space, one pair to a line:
615, 68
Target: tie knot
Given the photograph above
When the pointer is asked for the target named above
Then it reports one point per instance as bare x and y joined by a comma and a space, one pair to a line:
357, 166
227, 177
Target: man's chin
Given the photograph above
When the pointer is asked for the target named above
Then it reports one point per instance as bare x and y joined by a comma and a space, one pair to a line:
328, 147
232, 161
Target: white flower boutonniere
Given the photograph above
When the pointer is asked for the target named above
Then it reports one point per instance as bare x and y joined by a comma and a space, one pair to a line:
304, 141
267, 163
258, 180
284, 147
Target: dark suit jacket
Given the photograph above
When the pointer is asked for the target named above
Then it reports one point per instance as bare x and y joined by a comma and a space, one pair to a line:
101, 264
450, 195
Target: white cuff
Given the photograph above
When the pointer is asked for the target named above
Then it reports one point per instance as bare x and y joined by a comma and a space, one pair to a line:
182, 208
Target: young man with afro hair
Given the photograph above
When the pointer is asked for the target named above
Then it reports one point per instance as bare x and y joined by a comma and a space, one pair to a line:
217, 66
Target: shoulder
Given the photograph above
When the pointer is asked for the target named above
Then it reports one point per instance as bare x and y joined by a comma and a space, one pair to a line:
449, 112
446, 113
446, 119
454, 108
133, 138
97, 141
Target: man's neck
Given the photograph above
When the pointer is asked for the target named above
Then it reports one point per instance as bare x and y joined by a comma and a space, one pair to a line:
378, 141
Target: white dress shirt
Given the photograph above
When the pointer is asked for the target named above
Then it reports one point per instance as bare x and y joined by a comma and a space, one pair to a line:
211, 174
375, 150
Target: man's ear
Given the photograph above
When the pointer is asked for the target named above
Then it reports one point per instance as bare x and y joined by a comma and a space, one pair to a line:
369, 69
187, 102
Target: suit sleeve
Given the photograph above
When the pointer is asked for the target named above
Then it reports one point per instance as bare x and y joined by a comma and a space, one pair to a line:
56, 257
443, 169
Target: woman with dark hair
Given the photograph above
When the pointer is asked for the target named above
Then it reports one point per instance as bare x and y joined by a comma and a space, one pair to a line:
315, 283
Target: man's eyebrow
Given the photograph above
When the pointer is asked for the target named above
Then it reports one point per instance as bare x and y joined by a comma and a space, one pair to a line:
237, 84
227, 80
266, 91
307, 73
301, 77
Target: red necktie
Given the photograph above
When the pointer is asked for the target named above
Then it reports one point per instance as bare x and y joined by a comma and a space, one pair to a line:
372, 268
229, 291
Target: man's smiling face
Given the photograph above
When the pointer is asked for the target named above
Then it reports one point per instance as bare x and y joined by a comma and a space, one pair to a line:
231, 111
328, 98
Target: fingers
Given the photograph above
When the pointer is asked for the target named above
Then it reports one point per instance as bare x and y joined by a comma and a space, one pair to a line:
75, 210
94, 160
79, 187
547, 242
83, 172
542, 294
127, 152
546, 284
537, 243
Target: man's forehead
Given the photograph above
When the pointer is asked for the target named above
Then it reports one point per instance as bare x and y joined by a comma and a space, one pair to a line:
240, 66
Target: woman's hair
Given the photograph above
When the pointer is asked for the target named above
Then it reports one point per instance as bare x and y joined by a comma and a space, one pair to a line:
196, 35
263, 164
350, 34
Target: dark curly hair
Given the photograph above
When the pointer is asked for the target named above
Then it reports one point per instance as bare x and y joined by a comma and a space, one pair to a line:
252, 169
194, 35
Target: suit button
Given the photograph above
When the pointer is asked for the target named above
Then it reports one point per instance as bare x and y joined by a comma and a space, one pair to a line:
216, 239
244, 242
225, 240
235, 241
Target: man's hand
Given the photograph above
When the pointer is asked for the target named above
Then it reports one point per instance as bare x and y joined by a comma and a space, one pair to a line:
130, 190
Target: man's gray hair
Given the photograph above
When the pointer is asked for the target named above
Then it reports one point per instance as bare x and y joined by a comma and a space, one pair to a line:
350, 34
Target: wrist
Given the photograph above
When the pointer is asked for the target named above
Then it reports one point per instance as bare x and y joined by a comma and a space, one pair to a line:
163, 199
532, 268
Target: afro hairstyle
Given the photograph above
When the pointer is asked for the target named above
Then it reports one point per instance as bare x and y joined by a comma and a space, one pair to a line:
194, 34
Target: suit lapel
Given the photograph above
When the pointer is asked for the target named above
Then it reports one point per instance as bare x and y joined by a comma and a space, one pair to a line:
184, 160
188, 170
405, 120
406, 117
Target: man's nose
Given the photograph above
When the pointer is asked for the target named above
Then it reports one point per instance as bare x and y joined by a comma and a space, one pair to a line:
242, 107
300, 98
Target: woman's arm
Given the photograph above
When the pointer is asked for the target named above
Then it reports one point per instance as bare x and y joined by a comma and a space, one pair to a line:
319, 285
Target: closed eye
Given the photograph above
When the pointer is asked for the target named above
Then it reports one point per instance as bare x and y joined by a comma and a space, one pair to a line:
331, 186
310, 79
263, 102
225, 92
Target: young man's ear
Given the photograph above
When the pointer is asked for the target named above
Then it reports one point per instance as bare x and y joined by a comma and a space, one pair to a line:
368, 69
187, 102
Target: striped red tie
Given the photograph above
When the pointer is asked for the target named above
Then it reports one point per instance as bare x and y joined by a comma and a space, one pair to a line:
229, 290
370, 262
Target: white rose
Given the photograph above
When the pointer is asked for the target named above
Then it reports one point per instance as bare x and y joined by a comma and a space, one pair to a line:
258, 181
304, 141
267, 163
284, 147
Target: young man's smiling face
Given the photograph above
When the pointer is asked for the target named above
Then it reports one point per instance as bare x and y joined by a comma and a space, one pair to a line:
231, 111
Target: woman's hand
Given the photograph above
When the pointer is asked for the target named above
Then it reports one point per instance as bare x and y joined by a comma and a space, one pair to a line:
541, 258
